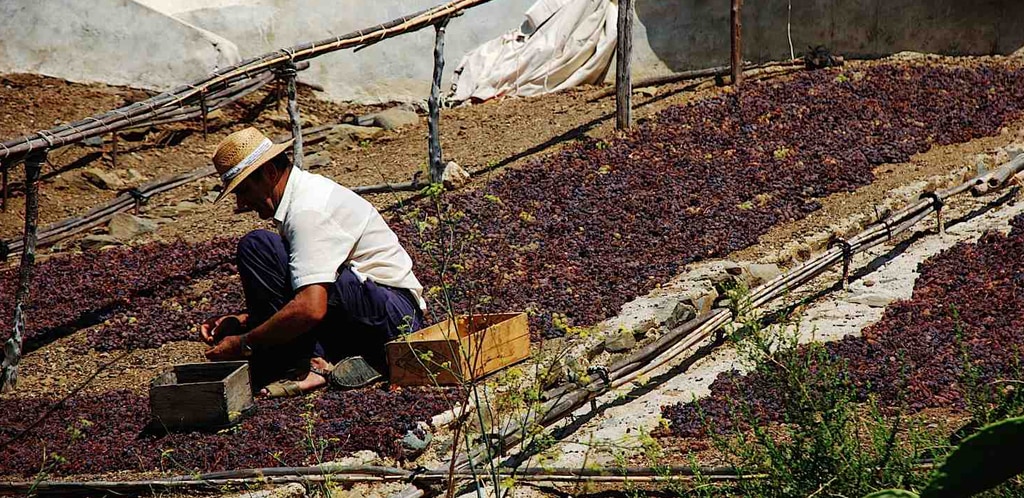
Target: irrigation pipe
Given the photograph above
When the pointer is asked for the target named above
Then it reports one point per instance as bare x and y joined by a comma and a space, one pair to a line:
695, 74
369, 474
701, 328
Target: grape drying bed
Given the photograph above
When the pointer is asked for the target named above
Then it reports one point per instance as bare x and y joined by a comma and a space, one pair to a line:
912, 357
580, 233
104, 433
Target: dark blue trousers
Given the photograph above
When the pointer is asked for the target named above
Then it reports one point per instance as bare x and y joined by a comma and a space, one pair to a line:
361, 316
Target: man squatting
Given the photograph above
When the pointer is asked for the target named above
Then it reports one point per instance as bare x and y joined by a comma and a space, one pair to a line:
322, 295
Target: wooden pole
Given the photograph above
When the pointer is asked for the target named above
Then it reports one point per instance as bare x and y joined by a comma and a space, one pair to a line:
434, 107
290, 73
737, 42
623, 56
12, 348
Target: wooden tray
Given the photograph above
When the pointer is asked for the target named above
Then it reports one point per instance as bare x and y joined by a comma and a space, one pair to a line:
201, 395
451, 353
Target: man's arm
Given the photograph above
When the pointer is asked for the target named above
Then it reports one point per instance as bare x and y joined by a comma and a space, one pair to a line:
300, 315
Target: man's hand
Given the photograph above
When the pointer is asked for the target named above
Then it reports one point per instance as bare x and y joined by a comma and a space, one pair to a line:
218, 327
229, 348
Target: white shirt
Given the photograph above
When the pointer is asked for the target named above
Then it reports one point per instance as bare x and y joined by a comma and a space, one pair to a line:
327, 225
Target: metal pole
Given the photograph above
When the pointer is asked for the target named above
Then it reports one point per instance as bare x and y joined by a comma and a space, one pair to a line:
623, 56
434, 107
290, 73
737, 42
12, 348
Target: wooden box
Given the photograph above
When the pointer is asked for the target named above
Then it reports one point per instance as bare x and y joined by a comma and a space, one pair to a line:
451, 353
201, 395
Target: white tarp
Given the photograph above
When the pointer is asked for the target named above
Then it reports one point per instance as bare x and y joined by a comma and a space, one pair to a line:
562, 43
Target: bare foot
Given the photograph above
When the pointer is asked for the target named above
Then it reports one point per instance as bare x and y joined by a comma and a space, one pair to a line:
312, 380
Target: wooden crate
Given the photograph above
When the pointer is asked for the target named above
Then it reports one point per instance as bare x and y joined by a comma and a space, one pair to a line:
460, 351
201, 395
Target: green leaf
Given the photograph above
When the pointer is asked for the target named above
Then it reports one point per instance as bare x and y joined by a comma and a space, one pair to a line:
892, 493
983, 461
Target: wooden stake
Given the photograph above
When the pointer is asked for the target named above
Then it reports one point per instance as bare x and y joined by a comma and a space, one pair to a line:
205, 111
290, 74
737, 42
434, 107
5, 178
12, 348
113, 151
623, 57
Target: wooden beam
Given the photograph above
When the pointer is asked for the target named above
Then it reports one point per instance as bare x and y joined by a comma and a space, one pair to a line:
12, 348
436, 162
737, 42
623, 57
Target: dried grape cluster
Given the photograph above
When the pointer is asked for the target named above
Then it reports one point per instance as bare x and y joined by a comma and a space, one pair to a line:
585, 230
81, 290
967, 309
168, 315
105, 433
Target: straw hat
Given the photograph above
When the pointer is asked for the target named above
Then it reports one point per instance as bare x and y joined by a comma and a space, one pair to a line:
241, 153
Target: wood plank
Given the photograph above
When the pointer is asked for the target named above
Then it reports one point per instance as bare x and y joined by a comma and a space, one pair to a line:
238, 392
198, 405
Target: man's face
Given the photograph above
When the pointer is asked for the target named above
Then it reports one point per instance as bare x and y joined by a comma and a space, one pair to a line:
255, 193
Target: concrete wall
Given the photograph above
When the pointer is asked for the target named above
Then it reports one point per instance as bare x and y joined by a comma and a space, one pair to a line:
686, 34
113, 41
162, 43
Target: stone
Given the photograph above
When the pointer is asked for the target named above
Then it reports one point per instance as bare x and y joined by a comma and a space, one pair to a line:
416, 440
290, 490
874, 299
681, 313
93, 141
361, 457
124, 226
703, 301
97, 242
103, 179
619, 341
395, 118
484, 492
134, 176
1014, 150
350, 137
761, 273
454, 176
282, 120
183, 207
355, 133
718, 272
211, 196
317, 160
217, 118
